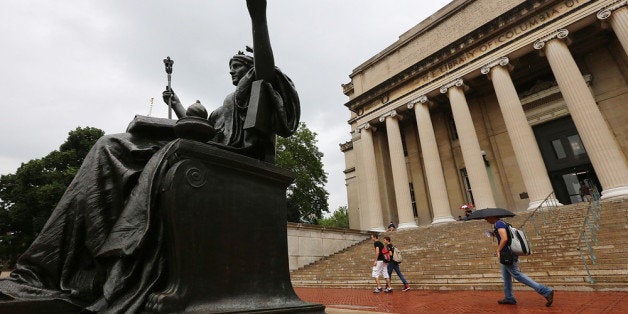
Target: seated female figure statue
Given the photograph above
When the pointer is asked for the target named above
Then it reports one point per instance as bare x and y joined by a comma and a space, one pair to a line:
102, 247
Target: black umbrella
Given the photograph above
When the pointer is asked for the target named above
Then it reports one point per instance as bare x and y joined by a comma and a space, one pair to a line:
490, 212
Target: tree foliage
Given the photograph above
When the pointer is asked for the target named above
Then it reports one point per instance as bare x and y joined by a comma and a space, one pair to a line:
339, 219
28, 196
306, 197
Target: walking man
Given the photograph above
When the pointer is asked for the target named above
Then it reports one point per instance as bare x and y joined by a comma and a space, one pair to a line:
394, 265
512, 270
379, 267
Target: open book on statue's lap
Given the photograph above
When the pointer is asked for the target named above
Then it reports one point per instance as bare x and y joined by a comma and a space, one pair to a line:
192, 128
151, 126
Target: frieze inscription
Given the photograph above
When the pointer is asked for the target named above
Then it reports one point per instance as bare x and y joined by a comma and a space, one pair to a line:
432, 70
497, 41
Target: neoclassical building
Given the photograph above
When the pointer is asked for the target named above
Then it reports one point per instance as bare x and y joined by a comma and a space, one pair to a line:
494, 103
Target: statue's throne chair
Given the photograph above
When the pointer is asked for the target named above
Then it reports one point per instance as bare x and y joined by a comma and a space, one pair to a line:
225, 229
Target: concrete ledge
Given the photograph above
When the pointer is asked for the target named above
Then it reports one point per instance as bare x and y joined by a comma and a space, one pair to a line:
310, 243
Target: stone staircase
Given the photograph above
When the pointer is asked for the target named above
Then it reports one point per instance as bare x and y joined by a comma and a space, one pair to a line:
459, 256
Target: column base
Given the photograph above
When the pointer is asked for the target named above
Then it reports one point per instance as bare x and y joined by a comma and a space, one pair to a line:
407, 225
377, 229
615, 193
443, 220
550, 202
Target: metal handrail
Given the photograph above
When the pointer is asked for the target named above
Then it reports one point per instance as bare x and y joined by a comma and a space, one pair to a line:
592, 224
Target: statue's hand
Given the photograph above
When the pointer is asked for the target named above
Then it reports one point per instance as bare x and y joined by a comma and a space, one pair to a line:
275, 97
257, 8
169, 96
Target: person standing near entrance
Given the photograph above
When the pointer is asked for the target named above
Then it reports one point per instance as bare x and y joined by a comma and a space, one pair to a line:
394, 265
512, 270
585, 192
379, 267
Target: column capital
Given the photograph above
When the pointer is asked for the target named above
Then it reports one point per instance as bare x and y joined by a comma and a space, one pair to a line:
393, 114
608, 10
366, 126
455, 83
558, 34
421, 99
486, 69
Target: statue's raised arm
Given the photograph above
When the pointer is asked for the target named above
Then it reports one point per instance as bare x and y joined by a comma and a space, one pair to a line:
263, 52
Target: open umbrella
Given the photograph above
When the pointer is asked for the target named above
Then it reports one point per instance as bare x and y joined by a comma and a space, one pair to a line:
490, 212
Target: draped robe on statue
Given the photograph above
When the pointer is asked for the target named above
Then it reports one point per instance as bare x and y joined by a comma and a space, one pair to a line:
103, 246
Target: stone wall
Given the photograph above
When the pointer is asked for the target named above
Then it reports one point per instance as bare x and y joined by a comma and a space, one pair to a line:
310, 243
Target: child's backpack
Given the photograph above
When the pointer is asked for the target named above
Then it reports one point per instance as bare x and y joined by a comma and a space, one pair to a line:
397, 257
517, 241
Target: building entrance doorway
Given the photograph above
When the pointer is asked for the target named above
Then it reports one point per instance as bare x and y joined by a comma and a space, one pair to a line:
566, 159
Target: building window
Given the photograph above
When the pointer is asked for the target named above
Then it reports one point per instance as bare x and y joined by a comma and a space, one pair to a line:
467, 185
559, 150
576, 145
414, 211
403, 142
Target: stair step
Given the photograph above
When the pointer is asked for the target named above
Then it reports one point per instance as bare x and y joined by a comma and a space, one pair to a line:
459, 256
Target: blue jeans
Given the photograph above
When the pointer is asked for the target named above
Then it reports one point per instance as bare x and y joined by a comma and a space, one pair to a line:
394, 266
513, 271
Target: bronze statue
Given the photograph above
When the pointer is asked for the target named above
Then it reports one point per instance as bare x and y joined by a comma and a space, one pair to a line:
264, 103
102, 249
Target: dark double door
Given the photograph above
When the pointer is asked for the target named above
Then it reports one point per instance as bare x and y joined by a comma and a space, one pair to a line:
565, 158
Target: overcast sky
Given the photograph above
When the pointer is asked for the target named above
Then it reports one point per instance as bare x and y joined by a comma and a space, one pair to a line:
98, 63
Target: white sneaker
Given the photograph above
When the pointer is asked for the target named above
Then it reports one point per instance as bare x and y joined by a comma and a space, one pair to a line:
377, 290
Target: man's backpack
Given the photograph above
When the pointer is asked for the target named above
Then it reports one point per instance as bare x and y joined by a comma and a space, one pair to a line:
517, 241
397, 257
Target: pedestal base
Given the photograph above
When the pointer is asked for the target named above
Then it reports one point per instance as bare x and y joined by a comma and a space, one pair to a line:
615, 193
441, 220
407, 225
44, 306
225, 220
550, 202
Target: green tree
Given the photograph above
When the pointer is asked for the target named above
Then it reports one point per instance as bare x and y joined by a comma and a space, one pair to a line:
339, 219
306, 197
28, 196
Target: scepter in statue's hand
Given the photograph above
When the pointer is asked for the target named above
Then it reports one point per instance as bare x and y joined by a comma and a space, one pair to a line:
170, 98
168, 63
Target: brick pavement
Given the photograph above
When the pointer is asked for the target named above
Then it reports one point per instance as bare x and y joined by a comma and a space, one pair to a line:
424, 301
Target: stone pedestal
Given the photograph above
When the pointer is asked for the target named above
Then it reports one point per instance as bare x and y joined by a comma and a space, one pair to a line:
225, 221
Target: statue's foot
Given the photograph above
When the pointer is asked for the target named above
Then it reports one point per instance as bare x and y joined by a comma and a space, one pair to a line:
167, 301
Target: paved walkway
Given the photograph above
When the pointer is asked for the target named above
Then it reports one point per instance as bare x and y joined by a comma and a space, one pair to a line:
422, 301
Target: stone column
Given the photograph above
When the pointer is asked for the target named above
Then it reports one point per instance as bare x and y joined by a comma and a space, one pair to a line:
607, 158
617, 16
469, 144
524, 144
399, 171
431, 160
372, 204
